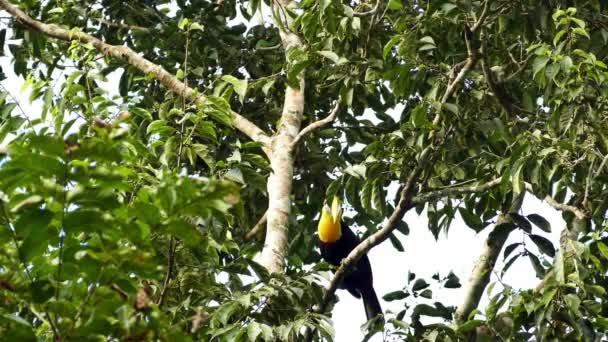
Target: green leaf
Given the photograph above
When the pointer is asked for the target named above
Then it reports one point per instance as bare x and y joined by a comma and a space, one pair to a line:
539, 64
521, 222
509, 249
158, 126
267, 86
253, 331
558, 36
196, 26
538, 268
36, 243
428, 293
402, 227
419, 284
389, 46
56, 10
510, 263
603, 249
453, 282
330, 55
419, 116
470, 325
540, 222
240, 86
395, 5
182, 23
471, 220
395, 295
32, 220
573, 303
396, 243
581, 24
143, 113
581, 32
543, 244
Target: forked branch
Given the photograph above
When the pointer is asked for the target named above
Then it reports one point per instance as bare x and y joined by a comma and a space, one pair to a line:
316, 125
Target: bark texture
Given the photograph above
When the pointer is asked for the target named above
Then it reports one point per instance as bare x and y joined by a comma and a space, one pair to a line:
480, 276
282, 158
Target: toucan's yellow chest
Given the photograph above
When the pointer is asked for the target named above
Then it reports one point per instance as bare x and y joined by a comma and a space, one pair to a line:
329, 230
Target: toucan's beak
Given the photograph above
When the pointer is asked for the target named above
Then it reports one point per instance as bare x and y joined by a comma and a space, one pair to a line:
336, 210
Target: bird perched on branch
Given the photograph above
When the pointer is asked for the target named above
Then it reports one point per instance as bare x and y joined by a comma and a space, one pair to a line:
336, 241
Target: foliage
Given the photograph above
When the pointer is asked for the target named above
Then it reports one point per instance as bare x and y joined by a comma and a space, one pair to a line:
124, 210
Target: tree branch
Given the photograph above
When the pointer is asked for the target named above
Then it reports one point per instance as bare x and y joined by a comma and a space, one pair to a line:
253, 232
122, 25
482, 17
170, 266
370, 12
432, 195
125, 54
280, 180
579, 213
480, 276
316, 125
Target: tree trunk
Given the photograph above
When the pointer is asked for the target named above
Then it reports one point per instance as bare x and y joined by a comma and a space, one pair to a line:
281, 161
480, 276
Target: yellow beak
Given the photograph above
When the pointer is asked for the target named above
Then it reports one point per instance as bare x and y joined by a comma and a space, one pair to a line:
336, 210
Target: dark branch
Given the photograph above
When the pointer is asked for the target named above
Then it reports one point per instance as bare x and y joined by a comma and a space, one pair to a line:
253, 232
431, 195
316, 125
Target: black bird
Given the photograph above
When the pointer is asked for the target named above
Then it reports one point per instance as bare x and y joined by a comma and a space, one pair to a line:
336, 241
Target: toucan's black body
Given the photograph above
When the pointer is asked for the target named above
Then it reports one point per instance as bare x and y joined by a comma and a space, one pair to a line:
358, 281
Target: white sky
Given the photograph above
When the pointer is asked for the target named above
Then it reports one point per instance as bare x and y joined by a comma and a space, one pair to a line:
457, 251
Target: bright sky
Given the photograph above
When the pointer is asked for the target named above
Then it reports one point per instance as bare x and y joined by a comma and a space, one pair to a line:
457, 251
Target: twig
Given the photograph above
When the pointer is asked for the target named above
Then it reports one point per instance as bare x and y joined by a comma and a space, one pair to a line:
482, 16
431, 195
122, 25
253, 232
579, 213
316, 125
522, 65
170, 265
265, 48
370, 12
126, 54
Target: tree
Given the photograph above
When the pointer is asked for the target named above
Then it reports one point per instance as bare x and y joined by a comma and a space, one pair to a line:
127, 213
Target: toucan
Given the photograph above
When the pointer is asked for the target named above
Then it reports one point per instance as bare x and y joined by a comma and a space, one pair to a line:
336, 241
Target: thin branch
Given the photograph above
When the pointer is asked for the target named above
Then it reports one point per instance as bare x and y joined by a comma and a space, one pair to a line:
431, 195
370, 12
266, 48
579, 213
482, 16
170, 265
602, 164
127, 55
496, 87
253, 232
122, 25
522, 65
316, 125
